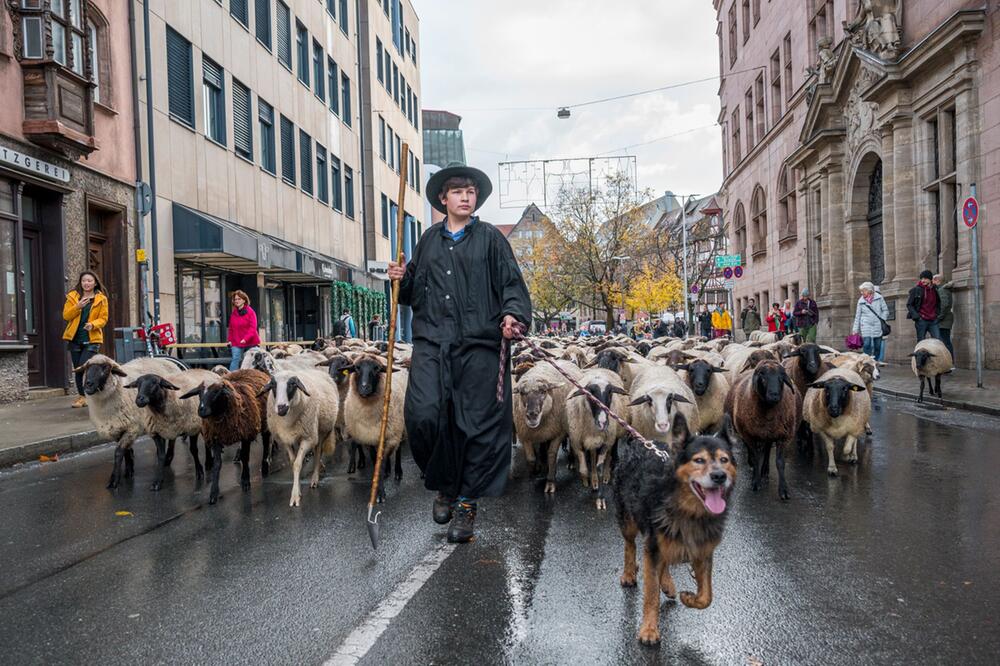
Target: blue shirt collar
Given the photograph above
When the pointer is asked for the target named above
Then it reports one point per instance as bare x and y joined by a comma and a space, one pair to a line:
457, 235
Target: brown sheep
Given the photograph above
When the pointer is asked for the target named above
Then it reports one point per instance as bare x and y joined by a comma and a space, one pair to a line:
765, 413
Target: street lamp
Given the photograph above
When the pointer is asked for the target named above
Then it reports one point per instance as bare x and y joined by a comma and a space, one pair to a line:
620, 260
562, 113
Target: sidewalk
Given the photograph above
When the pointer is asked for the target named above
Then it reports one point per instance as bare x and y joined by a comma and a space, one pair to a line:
43, 427
958, 387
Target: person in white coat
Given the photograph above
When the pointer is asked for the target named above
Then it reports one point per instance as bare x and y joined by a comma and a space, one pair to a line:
871, 312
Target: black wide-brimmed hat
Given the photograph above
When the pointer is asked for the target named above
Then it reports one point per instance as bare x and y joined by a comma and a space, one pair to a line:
457, 170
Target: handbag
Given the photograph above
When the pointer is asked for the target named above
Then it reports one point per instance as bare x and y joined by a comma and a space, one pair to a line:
886, 328
853, 341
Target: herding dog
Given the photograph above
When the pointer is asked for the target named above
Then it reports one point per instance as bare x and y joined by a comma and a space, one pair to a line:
680, 509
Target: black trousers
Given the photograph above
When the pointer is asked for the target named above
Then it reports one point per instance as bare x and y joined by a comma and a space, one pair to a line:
81, 353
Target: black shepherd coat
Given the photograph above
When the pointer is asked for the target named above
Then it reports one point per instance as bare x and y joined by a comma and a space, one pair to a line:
460, 292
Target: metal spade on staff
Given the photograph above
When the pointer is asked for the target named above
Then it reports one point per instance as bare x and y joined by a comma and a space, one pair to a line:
373, 526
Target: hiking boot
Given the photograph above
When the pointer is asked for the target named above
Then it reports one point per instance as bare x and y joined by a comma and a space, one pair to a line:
460, 530
444, 508
81, 401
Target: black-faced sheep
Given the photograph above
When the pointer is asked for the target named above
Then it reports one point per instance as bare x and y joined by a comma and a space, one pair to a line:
167, 417
302, 407
232, 412
764, 409
363, 411
338, 366
804, 365
837, 405
112, 407
930, 359
710, 386
591, 431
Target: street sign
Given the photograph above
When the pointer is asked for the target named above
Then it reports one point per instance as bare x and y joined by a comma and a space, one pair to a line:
143, 198
725, 260
694, 289
727, 273
738, 272
729, 285
970, 212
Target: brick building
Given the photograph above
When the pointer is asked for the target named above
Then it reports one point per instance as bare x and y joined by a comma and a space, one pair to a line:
851, 132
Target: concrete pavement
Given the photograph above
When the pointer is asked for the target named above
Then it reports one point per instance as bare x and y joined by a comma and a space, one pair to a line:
958, 387
43, 427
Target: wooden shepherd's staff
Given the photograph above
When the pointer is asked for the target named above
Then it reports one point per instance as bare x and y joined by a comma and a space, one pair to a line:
373, 526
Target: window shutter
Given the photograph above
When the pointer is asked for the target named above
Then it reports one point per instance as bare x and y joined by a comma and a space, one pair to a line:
213, 73
305, 157
262, 21
242, 127
180, 77
284, 35
238, 8
287, 150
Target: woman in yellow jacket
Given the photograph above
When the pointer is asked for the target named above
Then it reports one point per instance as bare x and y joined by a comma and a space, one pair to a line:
86, 313
722, 322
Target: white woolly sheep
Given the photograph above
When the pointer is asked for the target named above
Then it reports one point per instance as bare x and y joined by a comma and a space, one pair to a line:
302, 407
591, 431
837, 405
111, 407
930, 359
657, 393
540, 414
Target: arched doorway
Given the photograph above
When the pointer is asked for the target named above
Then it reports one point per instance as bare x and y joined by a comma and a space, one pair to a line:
876, 245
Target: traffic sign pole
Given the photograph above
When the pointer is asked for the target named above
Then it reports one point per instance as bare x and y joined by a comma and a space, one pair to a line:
975, 277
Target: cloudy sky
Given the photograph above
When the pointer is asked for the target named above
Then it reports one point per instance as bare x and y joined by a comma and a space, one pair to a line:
505, 67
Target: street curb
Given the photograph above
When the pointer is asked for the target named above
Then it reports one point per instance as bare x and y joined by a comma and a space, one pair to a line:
56, 445
955, 404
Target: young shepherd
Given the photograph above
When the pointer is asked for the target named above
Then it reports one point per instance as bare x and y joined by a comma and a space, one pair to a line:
302, 407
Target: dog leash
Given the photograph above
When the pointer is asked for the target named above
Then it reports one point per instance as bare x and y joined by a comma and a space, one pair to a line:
519, 331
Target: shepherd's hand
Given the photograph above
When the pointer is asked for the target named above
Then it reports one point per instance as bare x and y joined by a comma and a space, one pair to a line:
396, 271
508, 327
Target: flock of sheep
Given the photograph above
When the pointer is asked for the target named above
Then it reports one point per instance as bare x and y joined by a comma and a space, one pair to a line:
774, 391
309, 400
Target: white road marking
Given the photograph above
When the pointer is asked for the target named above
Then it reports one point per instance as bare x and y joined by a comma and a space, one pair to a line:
360, 641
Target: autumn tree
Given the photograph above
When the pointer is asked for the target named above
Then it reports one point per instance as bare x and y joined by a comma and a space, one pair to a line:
655, 290
538, 256
600, 243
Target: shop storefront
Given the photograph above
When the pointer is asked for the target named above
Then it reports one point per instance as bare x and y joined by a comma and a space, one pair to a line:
289, 286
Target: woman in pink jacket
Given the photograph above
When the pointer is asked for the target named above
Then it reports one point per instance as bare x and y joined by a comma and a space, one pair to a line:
242, 328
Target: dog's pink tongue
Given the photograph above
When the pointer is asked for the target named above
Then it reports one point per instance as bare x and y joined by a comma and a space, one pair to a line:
714, 500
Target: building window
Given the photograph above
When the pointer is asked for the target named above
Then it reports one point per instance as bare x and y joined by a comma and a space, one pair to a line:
746, 20
395, 83
345, 94
397, 24
343, 17
748, 111
726, 167
349, 191
381, 137
876, 246
306, 160
787, 48
9, 240
388, 73
284, 35
758, 217
775, 73
99, 56
331, 8
68, 34
331, 80
242, 121
265, 119
740, 230
416, 172
821, 25
180, 84
756, 11
302, 48
385, 216
416, 113
378, 60
213, 91
262, 22
388, 137
239, 11
318, 60
787, 208
287, 151
732, 35
402, 93
759, 107
322, 177
338, 190
942, 187
399, 154
817, 243
734, 124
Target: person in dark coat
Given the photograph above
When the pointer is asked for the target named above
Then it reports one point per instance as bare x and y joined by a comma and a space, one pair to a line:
705, 321
680, 328
662, 329
946, 316
923, 305
467, 295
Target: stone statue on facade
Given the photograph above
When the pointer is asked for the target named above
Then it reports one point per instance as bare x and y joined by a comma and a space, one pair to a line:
876, 28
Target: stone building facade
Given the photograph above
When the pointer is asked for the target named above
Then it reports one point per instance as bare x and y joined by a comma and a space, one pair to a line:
67, 180
852, 132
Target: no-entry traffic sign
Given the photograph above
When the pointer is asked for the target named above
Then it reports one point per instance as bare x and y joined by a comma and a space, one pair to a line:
738, 271
970, 212
728, 273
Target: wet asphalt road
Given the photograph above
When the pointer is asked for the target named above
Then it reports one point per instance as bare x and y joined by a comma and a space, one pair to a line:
896, 560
